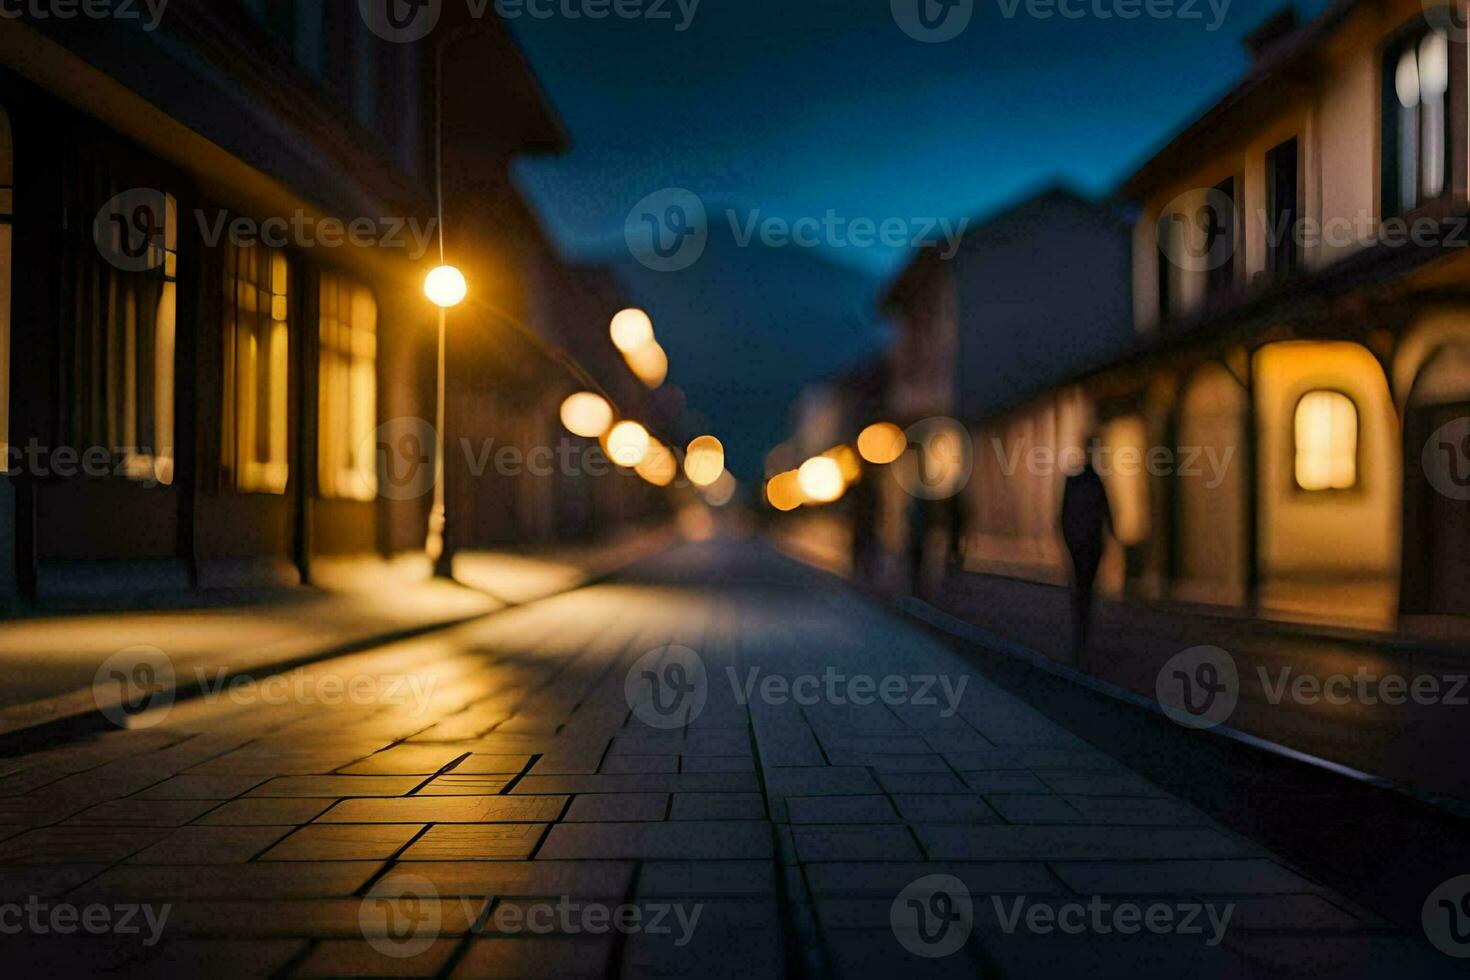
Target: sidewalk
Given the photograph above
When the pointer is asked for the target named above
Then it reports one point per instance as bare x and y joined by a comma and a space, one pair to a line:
958, 835
50, 663
1414, 744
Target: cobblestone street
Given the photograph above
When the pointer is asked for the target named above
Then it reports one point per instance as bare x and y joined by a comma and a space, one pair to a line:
717, 764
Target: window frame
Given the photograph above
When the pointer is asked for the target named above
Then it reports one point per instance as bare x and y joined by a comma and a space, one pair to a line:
243, 474
349, 483
1283, 258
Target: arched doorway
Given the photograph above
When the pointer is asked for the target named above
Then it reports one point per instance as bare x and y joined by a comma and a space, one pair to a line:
1211, 536
1437, 487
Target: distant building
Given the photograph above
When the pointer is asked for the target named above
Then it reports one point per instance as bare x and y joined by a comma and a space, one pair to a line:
1034, 295
1291, 436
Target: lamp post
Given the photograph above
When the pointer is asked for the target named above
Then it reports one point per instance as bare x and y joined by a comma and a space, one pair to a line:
446, 288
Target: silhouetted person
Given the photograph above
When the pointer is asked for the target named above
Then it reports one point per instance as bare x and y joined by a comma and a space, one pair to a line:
863, 506
1086, 520
919, 518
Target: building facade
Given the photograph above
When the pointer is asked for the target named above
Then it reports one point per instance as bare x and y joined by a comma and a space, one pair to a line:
217, 364
1286, 432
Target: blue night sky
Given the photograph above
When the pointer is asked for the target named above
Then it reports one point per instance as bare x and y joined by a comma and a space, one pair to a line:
800, 107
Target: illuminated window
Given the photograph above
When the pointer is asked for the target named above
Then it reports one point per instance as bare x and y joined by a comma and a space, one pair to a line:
7, 192
1326, 441
118, 317
1415, 126
348, 393
257, 365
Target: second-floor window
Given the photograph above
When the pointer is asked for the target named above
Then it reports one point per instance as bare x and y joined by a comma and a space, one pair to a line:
1218, 227
1416, 125
1283, 182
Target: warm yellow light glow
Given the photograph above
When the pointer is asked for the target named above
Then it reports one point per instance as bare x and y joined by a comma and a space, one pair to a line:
650, 364
627, 444
847, 462
783, 491
658, 465
1326, 441
722, 491
821, 480
704, 462
586, 414
882, 443
632, 331
445, 286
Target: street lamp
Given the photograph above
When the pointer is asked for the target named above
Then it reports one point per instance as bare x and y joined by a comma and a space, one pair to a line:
446, 288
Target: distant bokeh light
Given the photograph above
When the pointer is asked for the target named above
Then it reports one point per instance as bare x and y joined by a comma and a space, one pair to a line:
632, 331
586, 414
704, 462
627, 444
783, 491
882, 443
650, 363
820, 480
658, 466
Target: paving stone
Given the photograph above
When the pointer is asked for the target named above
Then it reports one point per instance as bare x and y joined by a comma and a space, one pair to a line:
820, 781
718, 806
346, 842
640, 764
405, 760
360, 958
718, 742
1100, 784
572, 957
713, 782
863, 954
671, 840
143, 813
78, 845
45, 880
483, 764
1037, 809
1243, 877
513, 879
325, 879
617, 807
448, 809
886, 879
265, 812
1121, 811
494, 842
211, 845
223, 958
854, 843
944, 808
696, 879
1029, 843
1009, 783
840, 809
316, 918
897, 783
732, 938
717, 763
337, 787
668, 743
191, 786
452, 784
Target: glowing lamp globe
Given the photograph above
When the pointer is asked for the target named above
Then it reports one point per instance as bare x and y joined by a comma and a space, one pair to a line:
627, 444
445, 287
632, 331
586, 414
821, 480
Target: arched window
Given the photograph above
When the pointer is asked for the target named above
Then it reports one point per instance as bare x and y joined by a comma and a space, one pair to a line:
7, 205
1326, 441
